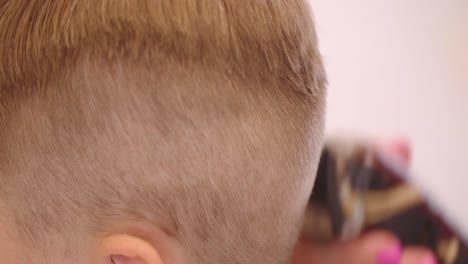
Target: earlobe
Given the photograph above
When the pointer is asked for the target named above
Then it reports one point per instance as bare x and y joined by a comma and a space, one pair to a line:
127, 249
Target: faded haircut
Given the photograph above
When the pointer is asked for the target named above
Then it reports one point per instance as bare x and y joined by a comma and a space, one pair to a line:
201, 117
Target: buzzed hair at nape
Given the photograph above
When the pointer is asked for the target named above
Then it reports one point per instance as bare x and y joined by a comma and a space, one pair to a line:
201, 117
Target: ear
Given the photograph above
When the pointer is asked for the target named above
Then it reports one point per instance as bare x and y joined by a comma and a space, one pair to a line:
126, 249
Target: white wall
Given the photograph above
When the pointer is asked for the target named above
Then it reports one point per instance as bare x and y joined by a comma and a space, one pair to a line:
401, 67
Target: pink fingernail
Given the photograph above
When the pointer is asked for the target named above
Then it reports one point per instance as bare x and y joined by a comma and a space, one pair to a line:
429, 260
390, 255
398, 148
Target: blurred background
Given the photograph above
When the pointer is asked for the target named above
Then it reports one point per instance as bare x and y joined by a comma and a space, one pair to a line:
400, 68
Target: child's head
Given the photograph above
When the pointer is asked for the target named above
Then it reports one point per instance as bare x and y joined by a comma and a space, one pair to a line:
156, 131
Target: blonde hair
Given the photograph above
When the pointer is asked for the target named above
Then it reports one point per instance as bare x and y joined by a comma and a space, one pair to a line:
202, 117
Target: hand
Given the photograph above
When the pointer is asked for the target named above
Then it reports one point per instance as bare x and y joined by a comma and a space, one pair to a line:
377, 247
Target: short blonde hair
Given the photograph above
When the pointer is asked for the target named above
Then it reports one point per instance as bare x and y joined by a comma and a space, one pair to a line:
202, 117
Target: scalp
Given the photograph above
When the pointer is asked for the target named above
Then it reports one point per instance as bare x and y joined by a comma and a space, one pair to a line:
202, 117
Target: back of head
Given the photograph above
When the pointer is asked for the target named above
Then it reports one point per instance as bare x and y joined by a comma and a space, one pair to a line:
202, 119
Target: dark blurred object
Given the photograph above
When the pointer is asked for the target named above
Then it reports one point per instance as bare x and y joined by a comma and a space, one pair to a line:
359, 188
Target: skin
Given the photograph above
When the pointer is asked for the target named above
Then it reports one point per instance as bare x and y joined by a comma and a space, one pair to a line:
124, 243
130, 250
243, 76
364, 250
